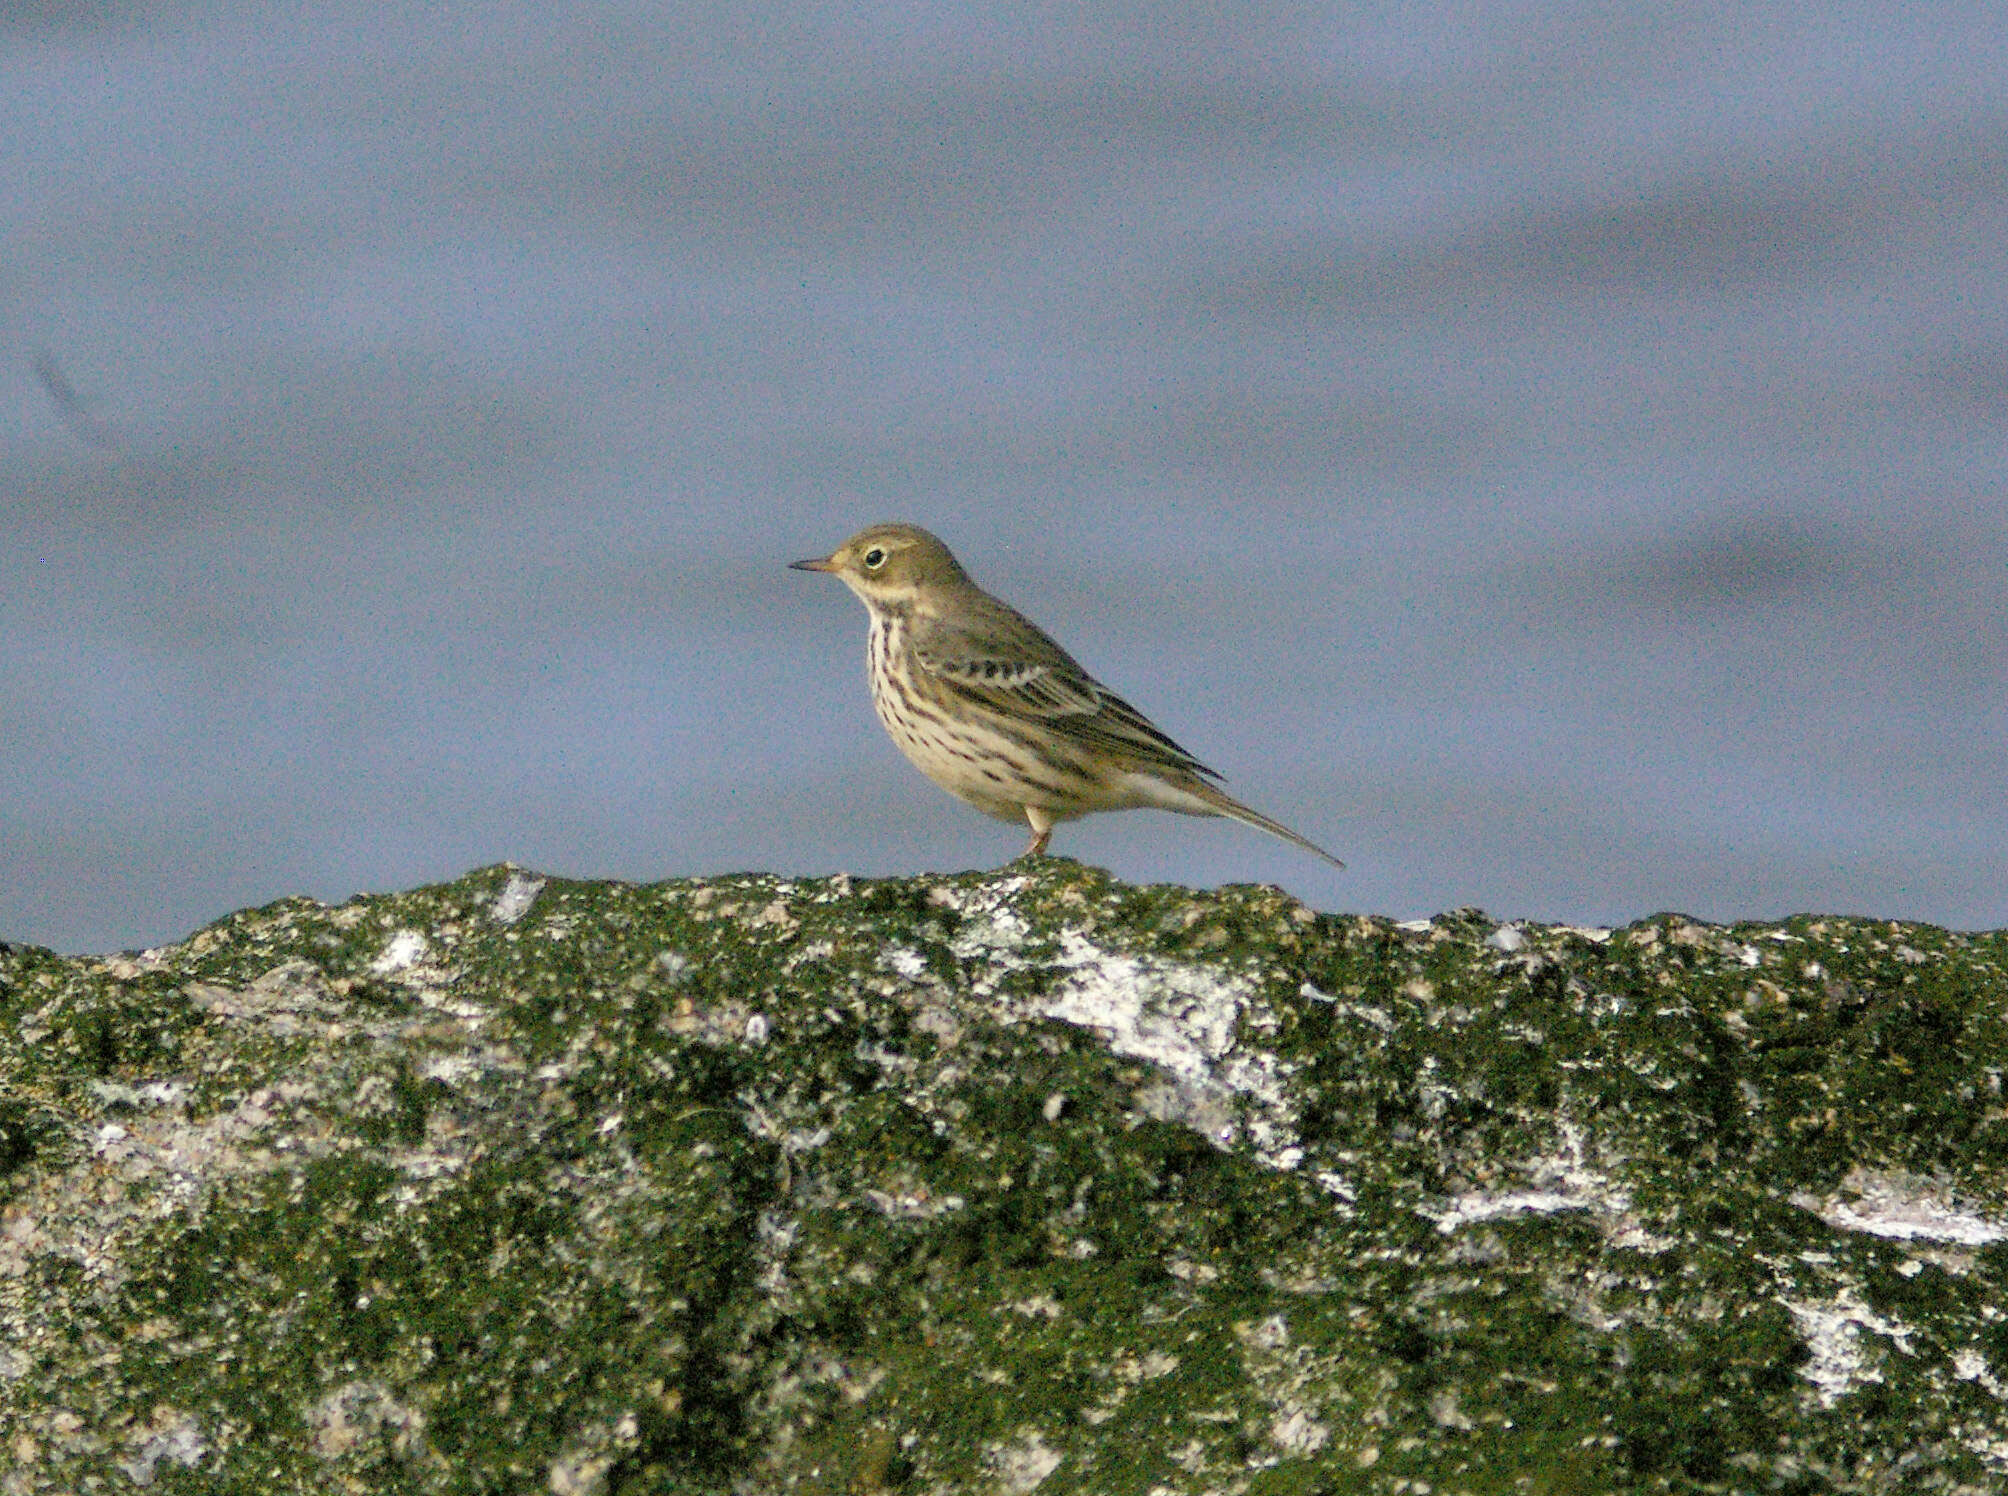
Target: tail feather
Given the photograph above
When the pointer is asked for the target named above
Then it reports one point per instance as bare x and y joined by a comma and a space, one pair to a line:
1216, 801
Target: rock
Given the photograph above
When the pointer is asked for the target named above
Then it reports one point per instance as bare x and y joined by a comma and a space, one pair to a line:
1023, 1181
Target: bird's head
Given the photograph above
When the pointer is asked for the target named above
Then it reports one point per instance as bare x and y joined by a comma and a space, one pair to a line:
890, 565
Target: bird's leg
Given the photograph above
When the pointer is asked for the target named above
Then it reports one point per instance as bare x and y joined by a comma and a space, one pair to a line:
1042, 832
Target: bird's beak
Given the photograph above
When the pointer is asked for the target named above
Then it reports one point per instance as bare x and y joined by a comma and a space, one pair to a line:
825, 564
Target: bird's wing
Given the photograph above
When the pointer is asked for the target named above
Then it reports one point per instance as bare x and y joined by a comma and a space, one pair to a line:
1010, 666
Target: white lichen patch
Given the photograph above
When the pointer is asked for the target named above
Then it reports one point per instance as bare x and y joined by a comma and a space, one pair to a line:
411, 960
1901, 1208
726, 1024
906, 962
169, 1437
1294, 1379
356, 1415
911, 1205
1125, 1373
1565, 1180
453, 1069
1184, 1019
583, 1468
110, 1093
1838, 1362
1296, 1433
404, 950
280, 998
1990, 1449
1023, 1464
1445, 1412
132, 968
990, 925
516, 897
1969, 1364
1474, 1206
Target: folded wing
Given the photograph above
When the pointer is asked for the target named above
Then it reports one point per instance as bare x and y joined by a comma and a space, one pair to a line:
1008, 665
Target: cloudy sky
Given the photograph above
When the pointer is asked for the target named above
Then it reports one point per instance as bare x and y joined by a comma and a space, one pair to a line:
1552, 455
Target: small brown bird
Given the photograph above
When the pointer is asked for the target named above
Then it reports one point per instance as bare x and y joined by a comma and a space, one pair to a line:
996, 713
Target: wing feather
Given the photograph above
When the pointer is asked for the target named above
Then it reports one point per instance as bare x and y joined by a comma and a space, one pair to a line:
1007, 664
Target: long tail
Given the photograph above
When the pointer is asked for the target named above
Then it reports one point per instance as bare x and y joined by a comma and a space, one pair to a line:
1215, 801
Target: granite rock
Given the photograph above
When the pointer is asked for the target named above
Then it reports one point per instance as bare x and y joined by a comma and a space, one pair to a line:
1029, 1180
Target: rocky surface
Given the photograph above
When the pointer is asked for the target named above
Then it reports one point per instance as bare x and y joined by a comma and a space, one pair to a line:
1000, 1183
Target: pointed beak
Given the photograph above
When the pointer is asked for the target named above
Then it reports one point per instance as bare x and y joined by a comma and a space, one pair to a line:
824, 564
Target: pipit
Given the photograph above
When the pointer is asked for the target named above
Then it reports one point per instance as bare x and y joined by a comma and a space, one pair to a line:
1000, 716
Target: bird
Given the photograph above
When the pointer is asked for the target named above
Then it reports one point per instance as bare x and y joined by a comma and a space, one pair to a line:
986, 705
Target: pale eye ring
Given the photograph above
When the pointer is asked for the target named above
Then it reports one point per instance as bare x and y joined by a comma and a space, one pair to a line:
874, 558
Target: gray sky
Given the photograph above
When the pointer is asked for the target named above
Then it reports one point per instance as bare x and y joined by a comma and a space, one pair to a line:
1552, 456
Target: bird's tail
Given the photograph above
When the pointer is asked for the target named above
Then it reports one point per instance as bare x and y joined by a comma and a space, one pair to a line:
1215, 801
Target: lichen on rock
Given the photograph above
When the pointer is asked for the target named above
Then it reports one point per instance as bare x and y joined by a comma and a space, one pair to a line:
1020, 1181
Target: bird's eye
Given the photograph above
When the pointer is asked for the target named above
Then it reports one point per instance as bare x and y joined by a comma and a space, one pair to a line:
874, 558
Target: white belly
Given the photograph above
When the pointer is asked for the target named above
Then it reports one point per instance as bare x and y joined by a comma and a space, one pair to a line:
975, 762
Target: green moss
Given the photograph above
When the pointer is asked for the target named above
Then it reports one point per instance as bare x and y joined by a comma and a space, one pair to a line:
755, 1184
